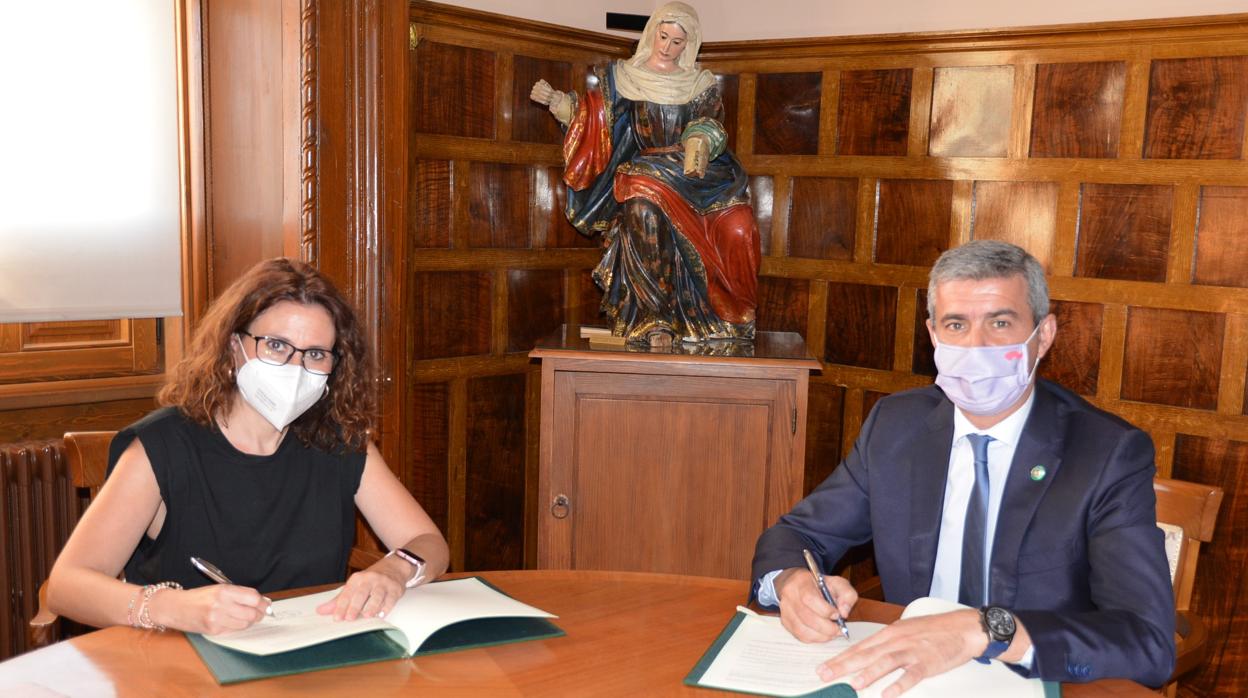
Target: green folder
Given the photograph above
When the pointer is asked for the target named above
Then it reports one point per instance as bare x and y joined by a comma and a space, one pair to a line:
230, 666
840, 690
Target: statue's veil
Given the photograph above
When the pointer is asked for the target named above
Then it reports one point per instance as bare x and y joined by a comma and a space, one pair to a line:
634, 81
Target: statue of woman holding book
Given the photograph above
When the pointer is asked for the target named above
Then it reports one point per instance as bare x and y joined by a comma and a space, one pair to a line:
647, 165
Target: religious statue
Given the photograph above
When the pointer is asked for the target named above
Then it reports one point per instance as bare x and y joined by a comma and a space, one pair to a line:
647, 166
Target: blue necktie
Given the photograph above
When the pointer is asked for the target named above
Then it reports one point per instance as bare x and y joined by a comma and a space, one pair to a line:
973, 589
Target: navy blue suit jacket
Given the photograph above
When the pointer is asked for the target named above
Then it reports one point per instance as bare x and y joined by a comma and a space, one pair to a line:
1077, 555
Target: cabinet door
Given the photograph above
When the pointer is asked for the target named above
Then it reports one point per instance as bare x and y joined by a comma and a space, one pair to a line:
676, 474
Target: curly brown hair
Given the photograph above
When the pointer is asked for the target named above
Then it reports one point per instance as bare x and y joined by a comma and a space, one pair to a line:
202, 385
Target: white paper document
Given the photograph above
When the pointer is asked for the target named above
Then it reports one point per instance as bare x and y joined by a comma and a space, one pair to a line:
762, 657
420, 613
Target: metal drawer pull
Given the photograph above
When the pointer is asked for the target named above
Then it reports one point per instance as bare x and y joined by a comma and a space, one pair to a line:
560, 507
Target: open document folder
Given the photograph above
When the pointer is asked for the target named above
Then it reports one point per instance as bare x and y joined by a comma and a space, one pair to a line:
755, 654
437, 617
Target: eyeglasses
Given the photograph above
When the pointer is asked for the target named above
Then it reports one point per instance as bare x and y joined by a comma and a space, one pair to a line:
278, 352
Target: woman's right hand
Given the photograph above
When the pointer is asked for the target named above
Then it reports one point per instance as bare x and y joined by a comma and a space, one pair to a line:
212, 609
543, 93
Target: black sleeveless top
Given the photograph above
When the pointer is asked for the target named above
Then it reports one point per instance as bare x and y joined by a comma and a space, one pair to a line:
269, 522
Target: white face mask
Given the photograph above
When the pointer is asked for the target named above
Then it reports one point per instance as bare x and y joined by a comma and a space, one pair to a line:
279, 393
985, 380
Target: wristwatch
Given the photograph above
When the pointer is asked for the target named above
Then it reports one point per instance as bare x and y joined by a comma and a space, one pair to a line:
999, 624
415, 560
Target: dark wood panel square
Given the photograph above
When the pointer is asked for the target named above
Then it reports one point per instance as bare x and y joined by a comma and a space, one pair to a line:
1218, 595
494, 479
590, 307
786, 113
762, 199
861, 325
923, 358
912, 223
783, 304
729, 92
429, 201
550, 199
1022, 213
1222, 237
869, 398
1124, 231
1078, 110
450, 314
825, 417
426, 475
1196, 108
452, 90
822, 217
971, 110
499, 201
873, 117
1173, 357
1074, 360
531, 121
534, 306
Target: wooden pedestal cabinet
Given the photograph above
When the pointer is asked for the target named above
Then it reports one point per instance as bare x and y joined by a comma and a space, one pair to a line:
667, 462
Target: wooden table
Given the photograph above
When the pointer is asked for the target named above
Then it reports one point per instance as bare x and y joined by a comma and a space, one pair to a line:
628, 634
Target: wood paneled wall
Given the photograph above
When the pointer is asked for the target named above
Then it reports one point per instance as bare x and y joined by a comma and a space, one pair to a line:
492, 265
1114, 153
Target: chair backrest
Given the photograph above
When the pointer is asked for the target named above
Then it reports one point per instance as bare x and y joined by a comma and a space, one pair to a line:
1192, 509
87, 455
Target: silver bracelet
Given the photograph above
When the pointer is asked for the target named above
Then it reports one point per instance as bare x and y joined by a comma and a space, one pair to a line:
145, 612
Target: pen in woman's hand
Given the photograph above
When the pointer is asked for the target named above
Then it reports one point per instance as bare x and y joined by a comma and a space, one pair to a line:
214, 573
823, 589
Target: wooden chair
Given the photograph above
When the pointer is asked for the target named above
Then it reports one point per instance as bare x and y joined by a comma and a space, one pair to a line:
1187, 512
87, 455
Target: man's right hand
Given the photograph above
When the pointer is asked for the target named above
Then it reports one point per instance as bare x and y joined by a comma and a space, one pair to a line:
804, 613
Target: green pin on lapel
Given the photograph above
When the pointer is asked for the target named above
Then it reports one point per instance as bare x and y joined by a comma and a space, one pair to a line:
1038, 473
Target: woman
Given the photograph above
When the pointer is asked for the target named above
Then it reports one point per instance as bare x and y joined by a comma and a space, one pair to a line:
256, 463
647, 165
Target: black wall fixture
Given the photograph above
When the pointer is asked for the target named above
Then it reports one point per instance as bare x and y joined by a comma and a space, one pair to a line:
626, 22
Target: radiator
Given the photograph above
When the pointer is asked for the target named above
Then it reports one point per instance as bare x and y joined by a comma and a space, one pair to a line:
39, 506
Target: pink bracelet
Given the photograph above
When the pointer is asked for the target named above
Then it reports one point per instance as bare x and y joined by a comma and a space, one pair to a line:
145, 613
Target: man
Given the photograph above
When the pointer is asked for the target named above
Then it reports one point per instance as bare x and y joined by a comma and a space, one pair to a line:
1011, 495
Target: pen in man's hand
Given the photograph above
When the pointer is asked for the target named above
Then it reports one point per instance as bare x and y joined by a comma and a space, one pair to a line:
214, 573
823, 589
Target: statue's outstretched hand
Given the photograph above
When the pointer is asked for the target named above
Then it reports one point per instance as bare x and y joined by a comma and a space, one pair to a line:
557, 102
543, 93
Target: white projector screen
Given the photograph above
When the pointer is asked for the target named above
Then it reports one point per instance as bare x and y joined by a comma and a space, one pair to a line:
89, 186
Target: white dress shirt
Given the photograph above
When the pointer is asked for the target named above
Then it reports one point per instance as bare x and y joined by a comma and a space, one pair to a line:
947, 575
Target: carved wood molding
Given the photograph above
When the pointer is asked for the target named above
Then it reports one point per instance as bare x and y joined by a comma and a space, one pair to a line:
368, 187
1088, 35
505, 27
353, 162
307, 127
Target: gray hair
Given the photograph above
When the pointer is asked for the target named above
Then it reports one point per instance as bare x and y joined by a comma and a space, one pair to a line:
990, 259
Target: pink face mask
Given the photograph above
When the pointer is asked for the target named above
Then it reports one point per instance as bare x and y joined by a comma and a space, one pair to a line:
984, 380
